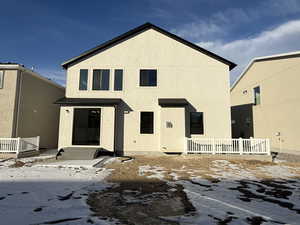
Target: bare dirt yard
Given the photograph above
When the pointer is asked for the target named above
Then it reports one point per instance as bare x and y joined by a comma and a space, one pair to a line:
151, 190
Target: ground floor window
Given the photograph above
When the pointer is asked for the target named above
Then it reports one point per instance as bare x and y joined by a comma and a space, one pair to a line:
196, 123
86, 126
146, 123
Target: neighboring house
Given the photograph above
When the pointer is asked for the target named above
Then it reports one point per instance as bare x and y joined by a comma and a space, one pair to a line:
26, 105
266, 101
144, 92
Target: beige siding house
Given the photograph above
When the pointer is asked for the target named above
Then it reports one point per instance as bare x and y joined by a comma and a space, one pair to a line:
144, 92
266, 101
26, 105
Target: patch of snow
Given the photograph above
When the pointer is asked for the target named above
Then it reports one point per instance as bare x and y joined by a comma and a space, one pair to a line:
156, 171
278, 171
174, 176
111, 160
28, 161
35, 195
223, 169
215, 202
72, 163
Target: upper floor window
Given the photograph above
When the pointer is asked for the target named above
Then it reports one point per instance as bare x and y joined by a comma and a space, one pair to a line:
146, 123
101, 80
196, 123
148, 78
256, 91
1, 78
118, 84
83, 79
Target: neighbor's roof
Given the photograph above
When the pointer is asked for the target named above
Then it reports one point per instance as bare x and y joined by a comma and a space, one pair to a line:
138, 30
18, 66
265, 58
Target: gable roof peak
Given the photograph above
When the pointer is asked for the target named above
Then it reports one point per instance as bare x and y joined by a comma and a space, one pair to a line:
138, 30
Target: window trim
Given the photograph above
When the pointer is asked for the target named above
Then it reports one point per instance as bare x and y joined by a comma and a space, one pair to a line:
87, 80
203, 127
147, 86
121, 82
109, 81
153, 122
2, 72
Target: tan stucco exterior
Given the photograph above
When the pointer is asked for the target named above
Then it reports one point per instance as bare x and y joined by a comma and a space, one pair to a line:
8, 102
279, 110
27, 108
182, 72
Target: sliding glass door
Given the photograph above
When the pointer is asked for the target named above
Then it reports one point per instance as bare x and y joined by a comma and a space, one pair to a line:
86, 126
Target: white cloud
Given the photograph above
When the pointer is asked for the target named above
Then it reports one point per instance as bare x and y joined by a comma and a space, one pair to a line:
222, 23
199, 30
281, 39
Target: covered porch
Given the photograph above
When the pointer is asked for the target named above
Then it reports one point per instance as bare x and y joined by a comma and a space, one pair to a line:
87, 127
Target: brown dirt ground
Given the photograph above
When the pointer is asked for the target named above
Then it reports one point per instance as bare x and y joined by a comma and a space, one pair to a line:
184, 167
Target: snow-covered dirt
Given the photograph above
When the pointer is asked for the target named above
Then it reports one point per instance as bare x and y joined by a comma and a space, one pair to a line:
47, 195
238, 196
165, 191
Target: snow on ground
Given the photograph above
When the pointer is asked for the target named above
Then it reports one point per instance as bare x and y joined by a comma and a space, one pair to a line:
278, 171
35, 194
41, 195
238, 196
242, 198
157, 171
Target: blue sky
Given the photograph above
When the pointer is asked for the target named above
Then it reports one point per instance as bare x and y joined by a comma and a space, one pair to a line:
42, 34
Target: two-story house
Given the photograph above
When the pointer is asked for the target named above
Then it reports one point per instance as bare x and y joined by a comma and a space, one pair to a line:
266, 101
26, 105
144, 91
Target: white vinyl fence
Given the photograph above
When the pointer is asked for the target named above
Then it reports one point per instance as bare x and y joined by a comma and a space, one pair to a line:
227, 146
19, 145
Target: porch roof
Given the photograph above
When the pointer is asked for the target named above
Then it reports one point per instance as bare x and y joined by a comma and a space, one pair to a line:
172, 102
89, 101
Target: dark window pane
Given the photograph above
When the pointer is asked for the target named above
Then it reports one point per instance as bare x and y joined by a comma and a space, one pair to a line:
96, 79
196, 122
146, 123
257, 95
86, 127
101, 80
83, 79
148, 78
118, 80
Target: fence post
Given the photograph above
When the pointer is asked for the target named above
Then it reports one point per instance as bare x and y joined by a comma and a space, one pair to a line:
214, 146
268, 147
38, 143
18, 146
241, 149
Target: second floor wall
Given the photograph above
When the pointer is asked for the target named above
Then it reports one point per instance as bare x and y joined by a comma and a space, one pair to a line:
181, 72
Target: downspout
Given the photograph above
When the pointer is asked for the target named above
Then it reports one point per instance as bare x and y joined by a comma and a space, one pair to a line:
115, 130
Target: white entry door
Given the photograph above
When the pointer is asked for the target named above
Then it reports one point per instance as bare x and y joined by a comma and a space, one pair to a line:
172, 130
